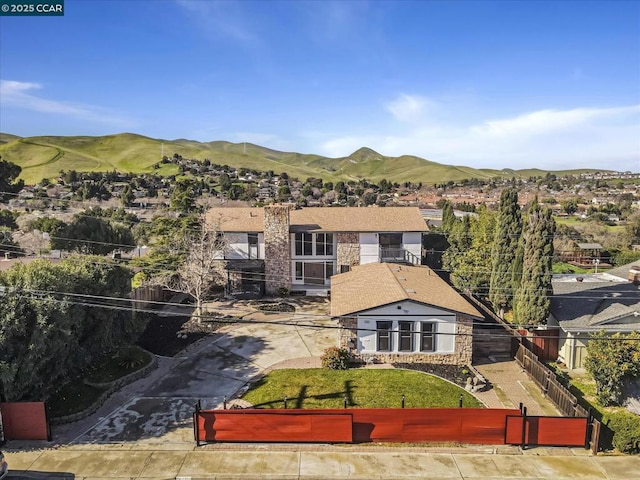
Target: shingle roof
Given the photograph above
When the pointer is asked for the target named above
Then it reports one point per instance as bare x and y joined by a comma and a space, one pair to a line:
324, 219
377, 284
590, 246
595, 305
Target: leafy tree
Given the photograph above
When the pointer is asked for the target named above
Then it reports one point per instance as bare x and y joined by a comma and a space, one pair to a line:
7, 243
610, 360
225, 182
505, 244
127, 197
8, 219
47, 335
532, 296
93, 235
369, 198
183, 196
570, 206
469, 256
9, 172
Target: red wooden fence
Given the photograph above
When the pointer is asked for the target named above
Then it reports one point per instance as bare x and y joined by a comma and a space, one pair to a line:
462, 425
25, 421
548, 431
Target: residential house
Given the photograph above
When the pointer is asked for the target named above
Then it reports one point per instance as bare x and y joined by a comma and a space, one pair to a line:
300, 249
584, 304
400, 313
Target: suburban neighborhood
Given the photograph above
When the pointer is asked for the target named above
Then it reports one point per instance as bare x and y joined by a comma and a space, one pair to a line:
319, 240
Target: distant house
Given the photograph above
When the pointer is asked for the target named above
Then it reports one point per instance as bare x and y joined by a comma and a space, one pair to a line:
399, 313
584, 304
300, 249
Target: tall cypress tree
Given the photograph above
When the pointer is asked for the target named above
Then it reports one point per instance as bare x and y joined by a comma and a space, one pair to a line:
448, 217
503, 253
532, 298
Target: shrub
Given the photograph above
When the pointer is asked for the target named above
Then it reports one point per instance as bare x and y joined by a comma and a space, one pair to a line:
336, 358
283, 292
626, 431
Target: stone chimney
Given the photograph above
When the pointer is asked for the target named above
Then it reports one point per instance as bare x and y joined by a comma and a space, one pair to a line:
277, 248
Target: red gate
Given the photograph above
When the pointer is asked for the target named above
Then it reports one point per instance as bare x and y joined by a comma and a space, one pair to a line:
547, 431
25, 421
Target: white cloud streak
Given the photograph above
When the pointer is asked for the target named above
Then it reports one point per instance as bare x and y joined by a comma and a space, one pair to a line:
606, 138
20, 95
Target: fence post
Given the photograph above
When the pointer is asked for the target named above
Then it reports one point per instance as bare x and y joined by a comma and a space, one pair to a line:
521, 407
285, 402
345, 401
224, 403
196, 422
402, 401
460, 401
547, 380
523, 445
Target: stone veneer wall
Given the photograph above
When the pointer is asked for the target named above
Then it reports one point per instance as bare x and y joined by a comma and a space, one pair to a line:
277, 248
461, 356
348, 251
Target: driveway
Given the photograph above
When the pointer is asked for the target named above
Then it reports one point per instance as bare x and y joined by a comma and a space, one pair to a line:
214, 368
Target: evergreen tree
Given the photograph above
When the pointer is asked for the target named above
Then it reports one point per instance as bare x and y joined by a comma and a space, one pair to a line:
448, 217
469, 257
532, 297
503, 253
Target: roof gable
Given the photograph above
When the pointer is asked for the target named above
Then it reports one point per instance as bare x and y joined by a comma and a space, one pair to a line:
377, 284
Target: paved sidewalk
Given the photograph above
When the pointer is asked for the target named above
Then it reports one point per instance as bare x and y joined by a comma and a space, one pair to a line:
307, 462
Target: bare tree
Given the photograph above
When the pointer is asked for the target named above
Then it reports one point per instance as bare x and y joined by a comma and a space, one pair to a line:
204, 250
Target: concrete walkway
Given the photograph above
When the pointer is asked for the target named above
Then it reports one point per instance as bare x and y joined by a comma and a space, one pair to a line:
302, 462
512, 386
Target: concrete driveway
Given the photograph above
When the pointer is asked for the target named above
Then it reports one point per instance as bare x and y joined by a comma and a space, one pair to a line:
215, 368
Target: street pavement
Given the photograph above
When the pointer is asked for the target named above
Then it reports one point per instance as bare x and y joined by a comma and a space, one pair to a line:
320, 461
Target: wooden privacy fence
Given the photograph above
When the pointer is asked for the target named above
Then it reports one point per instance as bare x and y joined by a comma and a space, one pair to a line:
393, 425
546, 379
25, 421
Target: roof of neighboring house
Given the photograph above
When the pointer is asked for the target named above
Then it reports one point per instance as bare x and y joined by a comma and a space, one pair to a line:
590, 246
596, 305
378, 284
324, 219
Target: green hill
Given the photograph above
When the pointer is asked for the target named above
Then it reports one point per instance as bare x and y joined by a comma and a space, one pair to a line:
45, 157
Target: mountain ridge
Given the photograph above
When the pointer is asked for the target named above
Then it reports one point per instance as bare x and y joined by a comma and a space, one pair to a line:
45, 156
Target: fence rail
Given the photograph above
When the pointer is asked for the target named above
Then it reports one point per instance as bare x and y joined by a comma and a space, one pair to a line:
545, 378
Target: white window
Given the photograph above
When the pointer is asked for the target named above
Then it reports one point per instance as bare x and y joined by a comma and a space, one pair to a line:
313, 244
383, 337
405, 333
427, 337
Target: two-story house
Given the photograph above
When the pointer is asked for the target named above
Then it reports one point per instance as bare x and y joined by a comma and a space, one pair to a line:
300, 249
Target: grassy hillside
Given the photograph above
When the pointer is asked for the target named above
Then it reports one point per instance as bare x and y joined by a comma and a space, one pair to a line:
42, 157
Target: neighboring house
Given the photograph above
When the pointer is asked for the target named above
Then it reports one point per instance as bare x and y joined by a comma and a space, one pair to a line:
584, 304
300, 249
406, 314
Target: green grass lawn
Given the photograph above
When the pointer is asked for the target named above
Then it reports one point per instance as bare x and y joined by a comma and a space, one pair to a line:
363, 388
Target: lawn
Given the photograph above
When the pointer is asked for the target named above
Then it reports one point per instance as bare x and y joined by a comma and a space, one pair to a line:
363, 388
73, 397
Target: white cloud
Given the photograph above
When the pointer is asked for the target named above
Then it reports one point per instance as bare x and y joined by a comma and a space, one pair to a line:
607, 138
20, 95
222, 20
409, 108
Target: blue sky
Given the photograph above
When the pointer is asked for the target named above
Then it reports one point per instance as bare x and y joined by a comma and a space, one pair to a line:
510, 84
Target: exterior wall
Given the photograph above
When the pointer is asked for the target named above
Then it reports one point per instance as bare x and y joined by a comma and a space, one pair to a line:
412, 242
369, 248
348, 250
572, 348
277, 248
453, 338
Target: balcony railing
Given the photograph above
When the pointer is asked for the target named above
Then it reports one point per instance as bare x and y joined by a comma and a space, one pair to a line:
398, 255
